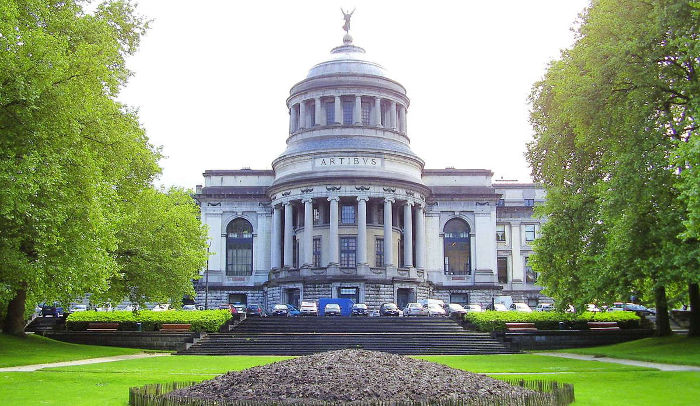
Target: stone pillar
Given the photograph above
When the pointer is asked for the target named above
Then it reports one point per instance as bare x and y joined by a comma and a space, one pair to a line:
402, 119
276, 246
294, 124
377, 112
338, 111
392, 116
308, 232
333, 234
407, 235
288, 231
302, 114
362, 230
319, 118
357, 112
388, 244
420, 237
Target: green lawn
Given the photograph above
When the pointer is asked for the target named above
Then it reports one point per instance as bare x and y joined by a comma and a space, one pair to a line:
34, 349
670, 350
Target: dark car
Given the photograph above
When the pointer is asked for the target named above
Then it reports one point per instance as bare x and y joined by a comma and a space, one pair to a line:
280, 310
639, 309
388, 309
359, 309
255, 310
54, 310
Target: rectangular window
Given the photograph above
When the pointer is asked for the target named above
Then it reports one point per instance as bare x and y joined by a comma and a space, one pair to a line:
312, 113
401, 258
529, 202
529, 232
379, 252
502, 265
348, 248
347, 214
366, 108
330, 113
530, 275
295, 253
501, 203
317, 252
501, 232
380, 214
460, 298
348, 107
239, 259
317, 216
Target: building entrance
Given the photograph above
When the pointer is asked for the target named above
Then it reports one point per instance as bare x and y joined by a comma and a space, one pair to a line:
404, 296
293, 296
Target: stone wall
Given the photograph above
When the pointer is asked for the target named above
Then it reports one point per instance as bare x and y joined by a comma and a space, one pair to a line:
315, 291
559, 339
376, 294
152, 340
220, 297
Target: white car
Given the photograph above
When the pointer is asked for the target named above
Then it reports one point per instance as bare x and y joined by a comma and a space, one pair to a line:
332, 309
414, 309
474, 308
77, 308
308, 309
500, 307
521, 307
434, 309
161, 307
189, 308
455, 310
544, 307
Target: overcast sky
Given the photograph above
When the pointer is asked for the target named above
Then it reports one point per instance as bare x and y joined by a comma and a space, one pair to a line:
211, 77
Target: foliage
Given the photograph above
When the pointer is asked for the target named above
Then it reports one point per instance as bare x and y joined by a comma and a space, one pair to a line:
202, 320
671, 350
492, 321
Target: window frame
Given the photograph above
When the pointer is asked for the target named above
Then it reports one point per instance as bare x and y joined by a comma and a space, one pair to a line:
348, 254
530, 235
316, 249
379, 252
343, 219
501, 234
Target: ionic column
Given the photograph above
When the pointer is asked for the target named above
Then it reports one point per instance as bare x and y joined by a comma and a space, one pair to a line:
276, 248
402, 119
302, 114
317, 112
388, 245
334, 258
392, 116
377, 111
357, 113
294, 121
308, 231
338, 111
362, 230
420, 237
288, 230
407, 235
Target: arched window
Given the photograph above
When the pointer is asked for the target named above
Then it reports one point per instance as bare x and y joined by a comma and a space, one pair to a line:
239, 248
457, 247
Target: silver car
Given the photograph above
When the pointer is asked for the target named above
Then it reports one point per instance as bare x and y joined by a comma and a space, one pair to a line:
414, 309
332, 309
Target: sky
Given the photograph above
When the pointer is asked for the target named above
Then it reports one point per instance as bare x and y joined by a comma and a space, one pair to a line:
211, 77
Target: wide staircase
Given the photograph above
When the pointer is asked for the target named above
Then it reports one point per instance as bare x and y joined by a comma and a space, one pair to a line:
306, 335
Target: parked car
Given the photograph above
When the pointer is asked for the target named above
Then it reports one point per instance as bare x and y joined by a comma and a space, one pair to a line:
592, 308
500, 307
374, 313
77, 308
255, 310
161, 307
228, 307
240, 308
293, 311
54, 310
388, 309
521, 307
127, 307
433, 310
189, 307
455, 310
544, 307
280, 310
104, 308
639, 309
413, 309
359, 309
617, 307
308, 309
332, 309
471, 308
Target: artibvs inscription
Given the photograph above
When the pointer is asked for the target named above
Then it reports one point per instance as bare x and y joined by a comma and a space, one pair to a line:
347, 161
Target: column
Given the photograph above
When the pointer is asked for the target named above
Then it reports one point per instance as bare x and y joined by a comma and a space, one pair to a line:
377, 112
308, 232
302, 114
392, 116
294, 123
420, 237
407, 235
357, 112
362, 230
338, 111
288, 230
333, 234
317, 112
402, 119
291, 120
388, 244
276, 245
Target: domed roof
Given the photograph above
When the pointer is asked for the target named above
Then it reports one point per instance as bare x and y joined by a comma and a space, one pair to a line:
347, 59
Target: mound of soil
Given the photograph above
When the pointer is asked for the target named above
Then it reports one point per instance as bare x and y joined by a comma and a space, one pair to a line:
349, 376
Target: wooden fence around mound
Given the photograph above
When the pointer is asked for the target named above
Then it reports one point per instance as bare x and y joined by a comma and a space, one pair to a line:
548, 393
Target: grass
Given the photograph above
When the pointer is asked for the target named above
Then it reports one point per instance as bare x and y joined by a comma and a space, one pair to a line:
34, 349
669, 350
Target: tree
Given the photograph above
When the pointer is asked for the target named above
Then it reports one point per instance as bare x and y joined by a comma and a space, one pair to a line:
609, 119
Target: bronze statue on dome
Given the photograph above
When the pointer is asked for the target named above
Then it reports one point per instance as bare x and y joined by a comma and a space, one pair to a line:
347, 16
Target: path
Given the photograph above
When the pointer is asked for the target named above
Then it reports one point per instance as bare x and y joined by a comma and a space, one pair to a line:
36, 367
655, 365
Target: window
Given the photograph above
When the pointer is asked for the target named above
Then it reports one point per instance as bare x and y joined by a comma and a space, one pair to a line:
529, 202
348, 107
460, 298
348, 248
330, 113
317, 252
501, 232
347, 214
501, 203
401, 258
238, 298
365, 113
317, 215
530, 275
295, 253
379, 252
456, 247
312, 113
239, 248
380, 214
529, 232
502, 266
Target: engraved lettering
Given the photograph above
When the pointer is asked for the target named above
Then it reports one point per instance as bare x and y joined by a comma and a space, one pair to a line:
332, 161
374, 161
323, 161
356, 161
341, 160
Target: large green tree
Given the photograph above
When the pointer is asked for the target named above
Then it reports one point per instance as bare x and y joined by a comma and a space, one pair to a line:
613, 117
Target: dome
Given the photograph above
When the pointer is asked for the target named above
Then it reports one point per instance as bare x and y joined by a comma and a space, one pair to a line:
347, 59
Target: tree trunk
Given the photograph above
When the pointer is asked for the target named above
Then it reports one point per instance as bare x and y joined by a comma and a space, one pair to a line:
663, 325
694, 293
14, 320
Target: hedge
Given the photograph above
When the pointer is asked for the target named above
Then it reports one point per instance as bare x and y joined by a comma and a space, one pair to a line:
492, 320
201, 320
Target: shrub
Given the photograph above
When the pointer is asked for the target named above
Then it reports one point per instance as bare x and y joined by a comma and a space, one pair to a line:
202, 320
492, 321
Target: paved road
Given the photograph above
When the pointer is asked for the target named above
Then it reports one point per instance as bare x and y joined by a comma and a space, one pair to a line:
36, 367
655, 365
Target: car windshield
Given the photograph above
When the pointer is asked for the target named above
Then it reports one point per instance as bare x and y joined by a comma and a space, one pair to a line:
332, 306
360, 306
390, 306
280, 307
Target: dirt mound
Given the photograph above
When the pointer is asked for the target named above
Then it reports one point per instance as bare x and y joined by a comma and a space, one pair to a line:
349, 376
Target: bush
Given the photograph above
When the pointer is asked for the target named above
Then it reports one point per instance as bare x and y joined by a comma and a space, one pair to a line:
202, 320
492, 321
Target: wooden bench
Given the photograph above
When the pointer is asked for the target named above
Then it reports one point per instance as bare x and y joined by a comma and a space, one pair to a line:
175, 327
603, 325
103, 326
521, 327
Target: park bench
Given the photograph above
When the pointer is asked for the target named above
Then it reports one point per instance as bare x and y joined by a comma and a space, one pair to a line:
603, 325
175, 327
521, 327
103, 326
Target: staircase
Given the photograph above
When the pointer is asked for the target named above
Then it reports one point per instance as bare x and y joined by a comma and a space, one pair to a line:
307, 335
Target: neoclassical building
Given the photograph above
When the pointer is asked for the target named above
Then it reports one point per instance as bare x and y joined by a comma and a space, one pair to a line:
349, 210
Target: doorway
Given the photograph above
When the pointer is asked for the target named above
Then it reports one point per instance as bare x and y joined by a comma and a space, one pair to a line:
404, 296
293, 295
